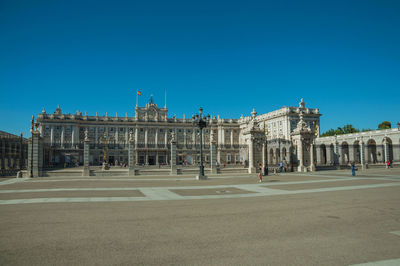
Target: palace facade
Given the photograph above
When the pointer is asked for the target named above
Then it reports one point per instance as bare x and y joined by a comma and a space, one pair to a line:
62, 136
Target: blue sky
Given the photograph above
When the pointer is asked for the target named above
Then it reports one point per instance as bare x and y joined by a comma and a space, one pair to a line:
226, 56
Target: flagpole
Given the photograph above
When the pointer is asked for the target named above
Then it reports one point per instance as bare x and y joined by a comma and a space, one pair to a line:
137, 97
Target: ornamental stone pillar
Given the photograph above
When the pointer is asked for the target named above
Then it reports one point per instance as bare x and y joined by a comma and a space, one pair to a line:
174, 169
303, 136
251, 169
131, 155
300, 156
312, 163
35, 155
318, 151
86, 169
255, 137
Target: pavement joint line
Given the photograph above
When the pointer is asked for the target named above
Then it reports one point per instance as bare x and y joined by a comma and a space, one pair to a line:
153, 194
257, 187
391, 262
133, 179
13, 180
396, 233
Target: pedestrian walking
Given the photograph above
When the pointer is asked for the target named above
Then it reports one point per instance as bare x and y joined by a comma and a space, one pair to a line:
353, 169
281, 167
260, 173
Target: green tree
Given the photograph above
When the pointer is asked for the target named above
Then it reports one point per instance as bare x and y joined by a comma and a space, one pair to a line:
385, 125
366, 129
330, 132
348, 129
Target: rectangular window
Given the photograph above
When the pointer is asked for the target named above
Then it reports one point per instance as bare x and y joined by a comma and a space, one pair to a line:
228, 158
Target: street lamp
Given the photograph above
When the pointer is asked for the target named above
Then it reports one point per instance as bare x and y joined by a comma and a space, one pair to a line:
105, 140
201, 122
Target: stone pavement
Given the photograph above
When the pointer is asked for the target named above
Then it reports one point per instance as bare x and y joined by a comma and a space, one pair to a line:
321, 218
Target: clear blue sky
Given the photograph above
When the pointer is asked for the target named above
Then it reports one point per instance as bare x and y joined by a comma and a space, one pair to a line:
227, 56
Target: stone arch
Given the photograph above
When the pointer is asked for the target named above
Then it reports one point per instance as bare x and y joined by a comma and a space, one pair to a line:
271, 156
371, 151
331, 154
388, 149
277, 156
356, 152
345, 158
284, 154
322, 154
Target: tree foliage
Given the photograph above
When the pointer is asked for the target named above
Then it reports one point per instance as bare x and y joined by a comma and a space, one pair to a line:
385, 125
346, 129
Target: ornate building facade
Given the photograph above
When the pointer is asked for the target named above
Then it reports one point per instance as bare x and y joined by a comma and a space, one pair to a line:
63, 136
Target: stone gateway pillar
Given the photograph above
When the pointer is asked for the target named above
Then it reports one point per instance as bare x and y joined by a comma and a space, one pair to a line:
86, 169
131, 155
303, 136
35, 153
174, 169
252, 169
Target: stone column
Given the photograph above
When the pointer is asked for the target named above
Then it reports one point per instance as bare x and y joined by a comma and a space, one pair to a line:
35, 155
264, 156
340, 153
86, 169
213, 154
62, 136
52, 135
312, 163
174, 169
116, 135
329, 153
231, 137
166, 138
362, 155
386, 149
131, 155
251, 169
300, 168
145, 140
157, 157
136, 141
336, 153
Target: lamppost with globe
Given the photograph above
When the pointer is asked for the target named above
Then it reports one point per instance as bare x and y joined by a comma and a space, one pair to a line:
201, 122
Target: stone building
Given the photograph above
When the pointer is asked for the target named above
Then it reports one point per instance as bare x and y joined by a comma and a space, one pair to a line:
63, 136
257, 139
13, 153
369, 147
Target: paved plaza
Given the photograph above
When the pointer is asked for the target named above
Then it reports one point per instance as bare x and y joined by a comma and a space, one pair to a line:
319, 218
